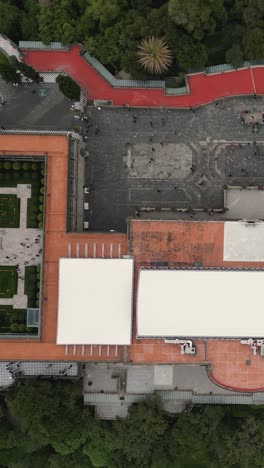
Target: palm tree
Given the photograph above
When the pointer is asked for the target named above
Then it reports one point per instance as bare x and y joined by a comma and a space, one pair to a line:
154, 55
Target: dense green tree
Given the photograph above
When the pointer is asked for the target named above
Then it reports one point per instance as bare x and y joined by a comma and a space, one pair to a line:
197, 17
135, 439
68, 87
99, 446
41, 418
234, 55
253, 43
195, 436
10, 17
190, 54
29, 20
253, 14
77, 460
25, 69
105, 12
57, 22
9, 73
243, 446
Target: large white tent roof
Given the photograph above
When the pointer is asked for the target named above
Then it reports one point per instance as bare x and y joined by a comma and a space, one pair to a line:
200, 303
95, 301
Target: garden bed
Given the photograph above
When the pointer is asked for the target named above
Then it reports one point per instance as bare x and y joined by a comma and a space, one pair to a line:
14, 321
32, 285
13, 172
9, 211
8, 281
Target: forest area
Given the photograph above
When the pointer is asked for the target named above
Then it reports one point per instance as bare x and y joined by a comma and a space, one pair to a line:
44, 423
197, 32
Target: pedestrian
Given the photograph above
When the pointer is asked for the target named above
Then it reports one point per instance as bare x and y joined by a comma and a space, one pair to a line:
151, 124
162, 121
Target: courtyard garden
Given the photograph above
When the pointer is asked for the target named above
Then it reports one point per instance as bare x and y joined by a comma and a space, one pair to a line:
13, 172
8, 281
14, 321
9, 211
31, 173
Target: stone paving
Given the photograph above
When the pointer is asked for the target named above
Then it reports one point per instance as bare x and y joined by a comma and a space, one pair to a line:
20, 247
31, 106
172, 158
9, 371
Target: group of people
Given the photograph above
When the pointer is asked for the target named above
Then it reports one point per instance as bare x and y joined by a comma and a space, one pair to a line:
14, 369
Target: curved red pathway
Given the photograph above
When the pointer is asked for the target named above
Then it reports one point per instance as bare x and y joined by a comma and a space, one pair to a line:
202, 88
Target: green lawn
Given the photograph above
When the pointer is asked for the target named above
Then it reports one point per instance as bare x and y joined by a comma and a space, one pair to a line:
8, 281
9, 211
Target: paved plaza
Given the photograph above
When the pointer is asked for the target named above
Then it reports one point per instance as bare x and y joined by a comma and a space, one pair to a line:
168, 158
9, 371
31, 106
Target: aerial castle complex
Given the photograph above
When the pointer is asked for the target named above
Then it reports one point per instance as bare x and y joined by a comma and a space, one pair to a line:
131, 233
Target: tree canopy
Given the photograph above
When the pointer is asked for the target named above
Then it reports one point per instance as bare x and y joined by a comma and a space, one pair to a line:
46, 420
199, 33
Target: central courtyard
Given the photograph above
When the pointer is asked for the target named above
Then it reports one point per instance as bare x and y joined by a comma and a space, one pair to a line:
21, 241
168, 158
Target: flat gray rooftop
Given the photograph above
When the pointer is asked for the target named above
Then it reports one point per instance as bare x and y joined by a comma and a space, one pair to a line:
244, 204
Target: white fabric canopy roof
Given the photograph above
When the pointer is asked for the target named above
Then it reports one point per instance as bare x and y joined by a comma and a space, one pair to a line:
95, 301
200, 303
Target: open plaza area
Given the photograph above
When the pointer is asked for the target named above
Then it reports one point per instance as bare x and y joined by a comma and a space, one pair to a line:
168, 158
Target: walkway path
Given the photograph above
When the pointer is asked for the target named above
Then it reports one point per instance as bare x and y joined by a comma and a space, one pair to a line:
203, 88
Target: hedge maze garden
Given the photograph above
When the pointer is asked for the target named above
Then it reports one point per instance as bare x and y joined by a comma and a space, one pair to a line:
14, 172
